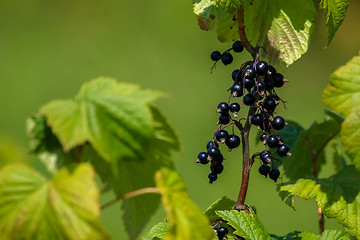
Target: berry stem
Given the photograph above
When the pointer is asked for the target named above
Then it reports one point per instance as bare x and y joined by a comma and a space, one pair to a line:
247, 162
241, 30
130, 195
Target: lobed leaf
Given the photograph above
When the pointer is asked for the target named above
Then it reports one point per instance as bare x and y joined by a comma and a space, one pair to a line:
33, 208
185, 218
339, 197
223, 203
159, 230
327, 234
335, 13
246, 224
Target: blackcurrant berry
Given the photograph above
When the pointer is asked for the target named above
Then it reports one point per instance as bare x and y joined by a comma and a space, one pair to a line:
215, 56
247, 83
213, 152
235, 74
278, 80
233, 141
265, 125
202, 158
265, 157
212, 144
274, 174
249, 72
272, 141
217, 168
257, 119
222, 135
264, 170
249, 99
223, 108
237, 46
234, 107
259, 86
221, 232
212, 177
283, 150
270, 103
226, 58
278, 123
236, 90
263, 138
271, 71
281, 139
224, 118
262, 68
269, 84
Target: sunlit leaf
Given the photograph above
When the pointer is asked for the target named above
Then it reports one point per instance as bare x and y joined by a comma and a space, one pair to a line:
335, 13
327, 234
33, 208
185, 218
339, 196
159, 230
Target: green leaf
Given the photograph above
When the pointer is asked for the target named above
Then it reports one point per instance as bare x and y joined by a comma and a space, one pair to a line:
185, 218
223, 203
113, 117
33, 208
247, 225
327, 234
159, 230
335, 13
343, 92
282, 27
339, 197
228, 4
343, 96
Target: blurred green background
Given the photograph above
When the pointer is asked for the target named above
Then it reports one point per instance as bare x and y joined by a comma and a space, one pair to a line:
49, 48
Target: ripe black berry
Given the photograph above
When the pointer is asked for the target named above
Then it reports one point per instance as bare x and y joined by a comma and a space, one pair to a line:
263, 138
224, 118
265, 125
223, 108
269, 84
278, 80
271, 71
221, 232
222, 135
249, 99
237, 46
283, 150
236, 90
212, 144
234, 107
226, 58
233, 141
278, 123
235, 74
213, 153
270, 103
264, 170
215, 56
281, 139
272, 141
259, 86
262, 68
202, 158
248, 83
217, 168
266, 157
212, 177
274, 174
249, 72
257, 119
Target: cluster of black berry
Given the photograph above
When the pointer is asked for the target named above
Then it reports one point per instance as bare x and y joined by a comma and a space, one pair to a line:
255, 81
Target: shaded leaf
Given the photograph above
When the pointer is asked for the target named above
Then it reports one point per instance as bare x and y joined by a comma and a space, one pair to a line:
247, 225
223, 203
327, 234
335, 13
33, 208
185, 218
339, 197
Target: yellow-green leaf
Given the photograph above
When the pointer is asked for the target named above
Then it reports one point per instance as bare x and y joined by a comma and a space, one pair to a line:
65, 208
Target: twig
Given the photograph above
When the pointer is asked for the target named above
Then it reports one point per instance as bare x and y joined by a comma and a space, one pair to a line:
241, 30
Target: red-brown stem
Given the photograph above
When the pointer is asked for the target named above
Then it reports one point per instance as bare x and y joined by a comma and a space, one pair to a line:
241, 30
315, 173
240, 204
